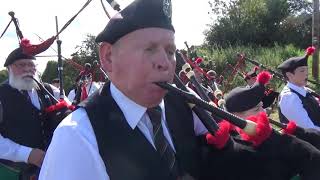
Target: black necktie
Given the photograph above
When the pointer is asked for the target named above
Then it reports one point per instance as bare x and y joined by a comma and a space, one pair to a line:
26, 94
163, 147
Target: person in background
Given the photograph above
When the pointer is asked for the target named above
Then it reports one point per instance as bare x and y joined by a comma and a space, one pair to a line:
56, 83
296, 102
24, 129
287, 155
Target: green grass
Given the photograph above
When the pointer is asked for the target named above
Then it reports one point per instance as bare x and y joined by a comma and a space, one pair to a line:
217, 59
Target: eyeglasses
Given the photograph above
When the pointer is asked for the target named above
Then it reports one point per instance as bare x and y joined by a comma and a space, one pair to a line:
25, 64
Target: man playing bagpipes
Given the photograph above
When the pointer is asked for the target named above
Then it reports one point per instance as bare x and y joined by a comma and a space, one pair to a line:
26, 110
296, 102
281, 154
131, 128
258, 152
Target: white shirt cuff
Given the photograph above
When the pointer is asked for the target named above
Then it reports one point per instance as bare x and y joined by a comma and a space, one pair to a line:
23, 154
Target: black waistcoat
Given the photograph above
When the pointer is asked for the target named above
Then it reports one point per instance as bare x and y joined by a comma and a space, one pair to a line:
127, 154
310, 104
21, 120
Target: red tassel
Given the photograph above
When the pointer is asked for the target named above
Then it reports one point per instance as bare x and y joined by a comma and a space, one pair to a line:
310, 50
263, 77
221, 137
263, 129
32, 50
199, 60
291, 128
72, 107
256, 68
25, 42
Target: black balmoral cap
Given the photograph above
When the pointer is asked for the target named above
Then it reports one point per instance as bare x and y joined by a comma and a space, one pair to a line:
17, 55
295, 62
244, 98
138, 15
241, 99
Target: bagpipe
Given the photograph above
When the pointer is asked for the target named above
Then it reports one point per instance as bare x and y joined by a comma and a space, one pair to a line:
310, 135
86, 75
54, 110
36, 49
276, 74
188, 65
202, 107
250, 127
270, 95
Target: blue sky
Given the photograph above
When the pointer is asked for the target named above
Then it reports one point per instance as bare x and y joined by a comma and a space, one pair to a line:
190, 18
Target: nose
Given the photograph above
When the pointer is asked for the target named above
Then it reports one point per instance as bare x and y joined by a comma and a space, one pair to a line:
30, 70
162, 61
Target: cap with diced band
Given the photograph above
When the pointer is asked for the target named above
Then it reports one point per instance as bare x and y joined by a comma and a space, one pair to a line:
138, 15
244, 98
294, 62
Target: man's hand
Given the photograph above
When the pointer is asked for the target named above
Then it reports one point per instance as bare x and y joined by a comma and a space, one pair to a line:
36, 157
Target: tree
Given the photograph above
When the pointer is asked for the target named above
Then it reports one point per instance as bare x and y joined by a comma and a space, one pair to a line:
3, 75
51, 72
87, 52
259, 22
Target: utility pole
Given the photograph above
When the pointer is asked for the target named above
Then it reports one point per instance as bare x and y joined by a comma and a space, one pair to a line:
315, 39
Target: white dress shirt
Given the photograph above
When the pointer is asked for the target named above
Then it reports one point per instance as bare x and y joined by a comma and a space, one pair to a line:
12, 151
292, 108
91, 88
56, 93
72, 94
73, 152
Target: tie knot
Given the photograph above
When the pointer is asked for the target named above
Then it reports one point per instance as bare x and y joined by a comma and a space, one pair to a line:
154, 114
154, 109
25, 92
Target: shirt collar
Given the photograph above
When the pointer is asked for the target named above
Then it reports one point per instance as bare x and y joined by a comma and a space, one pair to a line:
300, 90
132, 111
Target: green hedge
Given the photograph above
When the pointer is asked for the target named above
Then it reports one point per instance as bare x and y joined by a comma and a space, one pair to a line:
217, 59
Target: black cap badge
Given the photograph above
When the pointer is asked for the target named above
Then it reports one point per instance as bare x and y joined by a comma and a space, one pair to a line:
167, 8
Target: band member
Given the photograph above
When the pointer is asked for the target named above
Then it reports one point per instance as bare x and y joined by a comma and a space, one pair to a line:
295, 102
285, 150
131, 128
85, 87
251, 76
23, 126
56, 82
55, 85
269, 95
130, 131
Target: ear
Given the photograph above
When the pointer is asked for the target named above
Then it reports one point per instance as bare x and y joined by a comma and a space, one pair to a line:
289, 75
105, 50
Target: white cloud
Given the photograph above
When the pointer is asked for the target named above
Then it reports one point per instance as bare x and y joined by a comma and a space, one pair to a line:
38, 17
